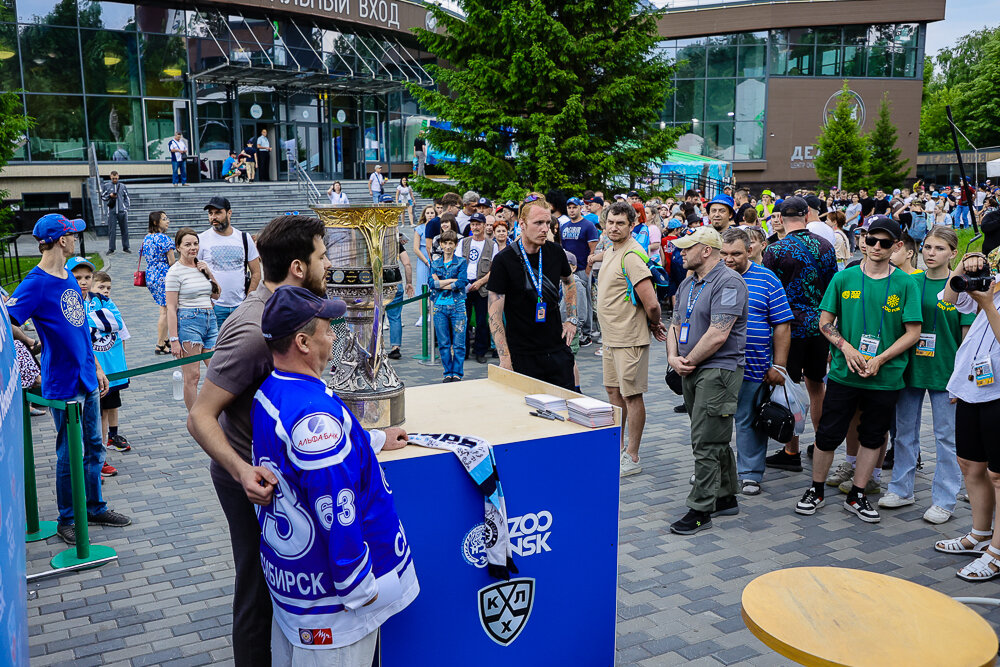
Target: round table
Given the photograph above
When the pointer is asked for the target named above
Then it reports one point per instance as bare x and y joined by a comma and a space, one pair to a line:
841, 617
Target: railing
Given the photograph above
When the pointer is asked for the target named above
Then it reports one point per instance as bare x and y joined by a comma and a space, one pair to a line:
305, 182
93, 188
10, 261
682, 182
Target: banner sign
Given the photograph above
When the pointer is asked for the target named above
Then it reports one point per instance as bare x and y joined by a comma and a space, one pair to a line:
13, 586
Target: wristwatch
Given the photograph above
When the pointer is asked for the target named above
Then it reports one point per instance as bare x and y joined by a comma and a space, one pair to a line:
173, 340
575, 321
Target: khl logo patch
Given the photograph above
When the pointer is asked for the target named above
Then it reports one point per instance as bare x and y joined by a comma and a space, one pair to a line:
504, 608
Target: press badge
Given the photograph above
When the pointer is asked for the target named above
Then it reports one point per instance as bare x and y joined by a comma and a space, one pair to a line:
540, 312
869, 346
926, 344
982, 370
683, 338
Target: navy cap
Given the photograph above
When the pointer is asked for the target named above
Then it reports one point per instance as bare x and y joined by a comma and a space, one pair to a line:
597, 200
884, 224
633, 193
575, 201
54, 225
815, 203
291, 308
477, 217
512, 205
794, 207
483, 201
218, 202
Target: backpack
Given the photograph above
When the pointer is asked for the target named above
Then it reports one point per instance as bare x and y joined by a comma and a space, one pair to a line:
659, 275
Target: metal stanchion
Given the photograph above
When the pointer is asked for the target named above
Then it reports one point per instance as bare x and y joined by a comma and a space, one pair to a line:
426, 324
36, 530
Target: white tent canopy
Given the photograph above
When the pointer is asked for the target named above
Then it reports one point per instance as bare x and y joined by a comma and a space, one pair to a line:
993, 168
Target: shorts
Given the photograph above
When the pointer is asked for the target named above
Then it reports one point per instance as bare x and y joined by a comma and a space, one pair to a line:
807, 356
627, 368
878, 415
975, 439
197, 325
554, 367
112, 400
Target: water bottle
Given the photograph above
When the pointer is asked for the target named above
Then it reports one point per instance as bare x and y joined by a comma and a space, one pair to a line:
178, 385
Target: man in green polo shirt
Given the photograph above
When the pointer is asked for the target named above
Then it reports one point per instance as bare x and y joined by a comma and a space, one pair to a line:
871, 315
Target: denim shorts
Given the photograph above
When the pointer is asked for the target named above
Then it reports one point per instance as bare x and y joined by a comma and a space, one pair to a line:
197, 325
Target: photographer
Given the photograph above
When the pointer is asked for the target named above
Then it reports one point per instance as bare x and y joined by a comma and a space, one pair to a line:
974, 386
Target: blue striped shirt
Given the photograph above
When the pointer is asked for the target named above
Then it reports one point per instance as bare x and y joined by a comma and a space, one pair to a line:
768, 308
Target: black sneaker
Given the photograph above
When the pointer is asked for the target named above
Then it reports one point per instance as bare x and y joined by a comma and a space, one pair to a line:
585, 341
395, 353
110, 252
859, 505
890, 459
67, 532
119, 443
681, 409
726, 507
920, 462
481, 358
109, 518
692, 522
809, 503
494, 354
809, 451
782, 460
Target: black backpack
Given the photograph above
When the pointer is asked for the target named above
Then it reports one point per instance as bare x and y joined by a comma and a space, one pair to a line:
773, 419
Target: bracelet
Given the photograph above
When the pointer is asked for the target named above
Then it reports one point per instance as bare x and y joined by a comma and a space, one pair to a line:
173, 339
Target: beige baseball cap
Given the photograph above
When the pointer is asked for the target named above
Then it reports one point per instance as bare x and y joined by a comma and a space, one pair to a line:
705, 235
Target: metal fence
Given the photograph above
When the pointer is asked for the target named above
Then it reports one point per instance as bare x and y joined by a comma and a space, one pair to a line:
10, 261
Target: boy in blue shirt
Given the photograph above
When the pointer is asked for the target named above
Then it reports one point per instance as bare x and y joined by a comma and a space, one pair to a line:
447, 282
51, 298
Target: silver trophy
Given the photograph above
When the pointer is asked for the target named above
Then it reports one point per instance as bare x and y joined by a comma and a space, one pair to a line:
362, 245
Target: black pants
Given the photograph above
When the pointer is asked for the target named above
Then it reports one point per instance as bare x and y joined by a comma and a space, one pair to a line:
479, 342
251, 599
117, 221
555, 367
878, 413
264, 165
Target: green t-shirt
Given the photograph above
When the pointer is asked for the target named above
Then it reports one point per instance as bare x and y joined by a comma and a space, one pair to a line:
859, 303
925, 372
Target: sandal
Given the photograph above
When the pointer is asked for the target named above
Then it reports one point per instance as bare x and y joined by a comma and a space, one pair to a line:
957, 545
161, 349
982, 569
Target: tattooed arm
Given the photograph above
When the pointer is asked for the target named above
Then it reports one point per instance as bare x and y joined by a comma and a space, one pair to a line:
496, 303
569, 294
855, 360
715, 336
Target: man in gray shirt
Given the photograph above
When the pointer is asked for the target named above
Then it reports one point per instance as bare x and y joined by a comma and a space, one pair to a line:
705, 346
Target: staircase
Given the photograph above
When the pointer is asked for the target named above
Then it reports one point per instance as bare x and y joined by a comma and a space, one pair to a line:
253, 204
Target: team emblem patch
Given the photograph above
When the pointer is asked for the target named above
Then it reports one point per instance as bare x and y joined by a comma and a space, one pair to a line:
504, 608
316, 637
318, 440
72, 307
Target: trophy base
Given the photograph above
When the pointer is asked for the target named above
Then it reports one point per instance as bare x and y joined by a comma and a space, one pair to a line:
377, 409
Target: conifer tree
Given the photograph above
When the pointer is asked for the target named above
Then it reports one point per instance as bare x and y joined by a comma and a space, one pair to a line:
841, 145
886, 169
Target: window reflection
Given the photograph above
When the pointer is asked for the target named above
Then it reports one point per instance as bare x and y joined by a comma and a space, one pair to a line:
52, 12
10, 71
110, 62
49, 66
115, 126
58, 133
109, 15
164, 61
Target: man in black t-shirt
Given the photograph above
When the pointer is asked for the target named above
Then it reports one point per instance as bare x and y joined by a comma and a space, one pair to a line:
867, 204
882, 205
526, 295
419, 153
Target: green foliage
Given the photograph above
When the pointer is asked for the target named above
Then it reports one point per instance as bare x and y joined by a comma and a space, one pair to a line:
572, 90
13, 126
886, 169
841, 145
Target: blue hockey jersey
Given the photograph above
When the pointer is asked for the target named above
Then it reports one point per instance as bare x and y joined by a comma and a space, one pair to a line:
330, 539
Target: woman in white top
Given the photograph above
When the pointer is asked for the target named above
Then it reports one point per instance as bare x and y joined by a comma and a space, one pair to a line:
404, 196
336, 194
189, 288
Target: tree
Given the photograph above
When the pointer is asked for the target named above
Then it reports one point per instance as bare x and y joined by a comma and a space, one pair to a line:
886, 167
13, 128
841, 145
546, 94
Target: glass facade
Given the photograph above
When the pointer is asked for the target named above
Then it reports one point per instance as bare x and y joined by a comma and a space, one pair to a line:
720, 83
123, 77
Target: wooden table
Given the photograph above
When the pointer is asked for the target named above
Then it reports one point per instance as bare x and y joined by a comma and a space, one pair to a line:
842, 617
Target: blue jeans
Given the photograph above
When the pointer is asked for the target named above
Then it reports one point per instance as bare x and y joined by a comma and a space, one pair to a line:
375, 196
93, 457
178, 171
751, 444
961, 216
395, 316
947, 475
222, 313
449, 328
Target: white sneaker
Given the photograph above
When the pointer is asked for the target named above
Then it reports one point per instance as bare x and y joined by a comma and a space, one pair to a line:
893, 500
419, 322
628, 466
935, 514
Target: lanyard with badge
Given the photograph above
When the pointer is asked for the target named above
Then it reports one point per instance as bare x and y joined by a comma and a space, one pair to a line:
928, 340
869, 344
536, 281
982, 366
686, 327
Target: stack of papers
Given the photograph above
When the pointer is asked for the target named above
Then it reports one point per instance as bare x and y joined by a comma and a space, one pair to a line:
590, 412
545, 402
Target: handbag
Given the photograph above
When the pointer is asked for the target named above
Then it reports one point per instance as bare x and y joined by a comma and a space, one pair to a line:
139, 277
771, 418
673, 380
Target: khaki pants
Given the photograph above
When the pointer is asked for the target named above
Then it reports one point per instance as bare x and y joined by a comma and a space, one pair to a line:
250, 170
710, 395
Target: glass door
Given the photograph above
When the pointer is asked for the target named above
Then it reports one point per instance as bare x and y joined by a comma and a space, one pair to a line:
374, 150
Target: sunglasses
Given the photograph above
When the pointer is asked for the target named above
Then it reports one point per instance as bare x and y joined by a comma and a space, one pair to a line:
531, 198
885, 243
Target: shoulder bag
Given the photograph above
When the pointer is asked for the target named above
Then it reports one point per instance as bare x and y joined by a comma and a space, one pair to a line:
772, 418
139, 277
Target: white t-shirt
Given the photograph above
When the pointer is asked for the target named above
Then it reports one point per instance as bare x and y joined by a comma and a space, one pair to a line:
177, 144
224, 255
404, 193
475, 250
192, 287
462, 218
376, 180
339, 198
821, 229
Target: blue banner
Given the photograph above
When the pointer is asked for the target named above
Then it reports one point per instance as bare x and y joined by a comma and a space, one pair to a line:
13, 586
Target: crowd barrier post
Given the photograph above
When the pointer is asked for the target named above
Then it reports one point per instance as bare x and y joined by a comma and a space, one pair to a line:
426, 324
36, 530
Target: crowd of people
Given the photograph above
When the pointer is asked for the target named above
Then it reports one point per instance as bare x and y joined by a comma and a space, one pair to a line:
862, 306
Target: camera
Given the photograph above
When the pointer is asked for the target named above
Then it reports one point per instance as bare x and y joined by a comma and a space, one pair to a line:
976, 281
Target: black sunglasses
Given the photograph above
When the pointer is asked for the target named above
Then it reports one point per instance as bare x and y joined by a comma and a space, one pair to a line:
885, 243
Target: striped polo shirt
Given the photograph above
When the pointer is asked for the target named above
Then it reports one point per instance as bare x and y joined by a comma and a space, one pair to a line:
768, 308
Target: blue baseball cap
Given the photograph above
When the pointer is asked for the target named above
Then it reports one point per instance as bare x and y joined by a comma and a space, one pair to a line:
674, 223
725, 200
291, 308
934, 195
575, 201
54, 225
74, 262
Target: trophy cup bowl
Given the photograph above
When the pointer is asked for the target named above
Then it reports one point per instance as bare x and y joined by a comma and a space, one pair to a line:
363, 248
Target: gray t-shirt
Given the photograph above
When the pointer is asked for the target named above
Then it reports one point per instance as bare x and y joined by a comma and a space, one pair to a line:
722, 292
240, 365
